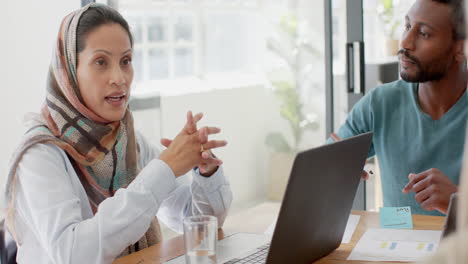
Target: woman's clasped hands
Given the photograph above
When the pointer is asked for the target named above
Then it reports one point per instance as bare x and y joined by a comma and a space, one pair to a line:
191, 148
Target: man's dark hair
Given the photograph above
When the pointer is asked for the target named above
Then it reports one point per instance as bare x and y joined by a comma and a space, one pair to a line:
457, 17
94, 17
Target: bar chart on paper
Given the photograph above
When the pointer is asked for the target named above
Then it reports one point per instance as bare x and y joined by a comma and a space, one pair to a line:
395, 245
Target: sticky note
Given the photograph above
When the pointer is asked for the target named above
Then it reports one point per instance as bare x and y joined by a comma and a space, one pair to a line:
430, 247
396, 217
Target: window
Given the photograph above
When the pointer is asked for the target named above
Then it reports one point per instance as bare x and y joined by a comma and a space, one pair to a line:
183, 39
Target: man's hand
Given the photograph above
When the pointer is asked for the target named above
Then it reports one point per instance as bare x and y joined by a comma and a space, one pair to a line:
433, 189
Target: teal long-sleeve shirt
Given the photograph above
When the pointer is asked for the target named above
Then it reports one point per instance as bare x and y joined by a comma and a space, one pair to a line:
407, 140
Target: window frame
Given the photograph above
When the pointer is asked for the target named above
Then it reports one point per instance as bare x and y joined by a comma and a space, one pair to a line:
195, 7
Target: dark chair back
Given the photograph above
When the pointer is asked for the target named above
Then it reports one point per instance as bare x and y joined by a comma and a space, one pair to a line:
8, 247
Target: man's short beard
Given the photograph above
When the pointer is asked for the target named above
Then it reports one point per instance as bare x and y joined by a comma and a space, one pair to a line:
423, 76
434, 71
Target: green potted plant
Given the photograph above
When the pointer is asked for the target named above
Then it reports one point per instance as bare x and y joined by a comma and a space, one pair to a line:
291, 111
288, 46
387, 13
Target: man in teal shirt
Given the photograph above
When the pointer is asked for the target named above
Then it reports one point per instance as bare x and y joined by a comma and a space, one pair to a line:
419, 122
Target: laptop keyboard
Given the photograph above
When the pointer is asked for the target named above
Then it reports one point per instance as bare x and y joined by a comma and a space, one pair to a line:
258, 256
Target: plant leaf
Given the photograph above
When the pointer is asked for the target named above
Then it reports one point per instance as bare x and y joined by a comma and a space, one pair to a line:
277, 142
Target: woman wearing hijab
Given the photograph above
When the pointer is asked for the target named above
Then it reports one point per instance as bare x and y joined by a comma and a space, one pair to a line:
83, 187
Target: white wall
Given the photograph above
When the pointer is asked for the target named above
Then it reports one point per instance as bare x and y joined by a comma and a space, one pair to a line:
27, 31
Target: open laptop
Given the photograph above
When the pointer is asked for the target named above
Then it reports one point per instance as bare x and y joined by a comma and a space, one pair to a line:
314, 211
450, 224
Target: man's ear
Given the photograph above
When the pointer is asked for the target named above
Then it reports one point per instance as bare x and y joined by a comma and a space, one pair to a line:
460, 52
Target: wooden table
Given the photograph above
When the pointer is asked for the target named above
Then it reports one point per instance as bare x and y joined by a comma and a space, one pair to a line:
259, 218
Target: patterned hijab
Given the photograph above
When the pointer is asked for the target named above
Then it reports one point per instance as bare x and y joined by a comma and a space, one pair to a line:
104, 154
